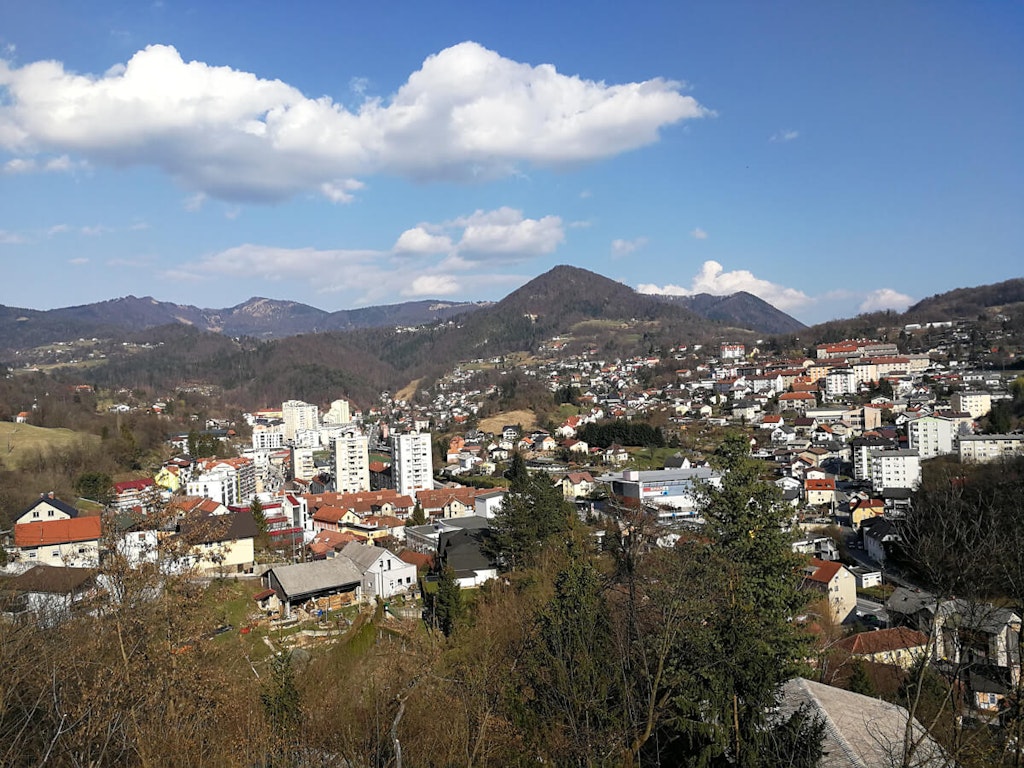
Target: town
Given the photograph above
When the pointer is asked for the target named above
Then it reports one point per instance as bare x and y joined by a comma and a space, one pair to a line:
326, 519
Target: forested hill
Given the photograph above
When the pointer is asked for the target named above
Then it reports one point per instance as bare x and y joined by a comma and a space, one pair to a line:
967, 302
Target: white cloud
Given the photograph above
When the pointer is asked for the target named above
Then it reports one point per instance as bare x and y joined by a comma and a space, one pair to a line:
95, 231
622, 247
467, 113
10, 238
432, 285
340, 191
504, 233
57, 229
194, 202
419, 240
713, 279
19, 165
78, 261
699, 234
885, 298
784, 135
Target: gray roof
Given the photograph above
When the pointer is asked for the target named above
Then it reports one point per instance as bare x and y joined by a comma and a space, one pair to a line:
908, 602
363, 555
860, 732
51, 579
304, 579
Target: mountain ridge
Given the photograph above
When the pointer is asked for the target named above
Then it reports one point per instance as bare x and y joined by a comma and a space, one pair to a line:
265, 318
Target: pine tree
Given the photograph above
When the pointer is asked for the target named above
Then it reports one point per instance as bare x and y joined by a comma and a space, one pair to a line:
418, 517
447, 602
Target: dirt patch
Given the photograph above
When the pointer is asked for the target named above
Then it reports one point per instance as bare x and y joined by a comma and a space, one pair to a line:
493, 424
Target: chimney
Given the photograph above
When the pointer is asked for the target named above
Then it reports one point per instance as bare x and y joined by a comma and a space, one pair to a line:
51, 494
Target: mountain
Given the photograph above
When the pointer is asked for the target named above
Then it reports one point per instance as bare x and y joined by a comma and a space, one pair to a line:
740, 310
558, 298
258, 317
967, 302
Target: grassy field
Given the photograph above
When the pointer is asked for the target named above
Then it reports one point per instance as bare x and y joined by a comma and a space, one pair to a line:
17, 440
493, 424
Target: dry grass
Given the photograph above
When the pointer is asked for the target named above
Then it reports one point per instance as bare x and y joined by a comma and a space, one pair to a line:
407, 392
16, 440
493, 424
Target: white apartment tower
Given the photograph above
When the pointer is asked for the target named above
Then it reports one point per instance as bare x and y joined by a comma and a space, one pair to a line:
412, 464
298, 416
931, 436
351, 463
339, 413
895, 469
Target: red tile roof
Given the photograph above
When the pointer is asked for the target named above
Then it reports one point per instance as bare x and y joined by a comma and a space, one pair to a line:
883, 640
822, 571
58, 531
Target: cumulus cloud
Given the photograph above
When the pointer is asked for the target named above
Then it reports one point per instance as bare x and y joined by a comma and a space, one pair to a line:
885, 298
467, 113
783, 136
78, 261
699, 234
19, 165
430, 259
713, 279
419, 240
432, 285
624, 247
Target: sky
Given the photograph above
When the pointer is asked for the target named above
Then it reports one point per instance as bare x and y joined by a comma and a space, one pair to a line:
831, 158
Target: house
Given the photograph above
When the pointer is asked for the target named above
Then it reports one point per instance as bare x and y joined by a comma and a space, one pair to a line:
616, 455
900, 646
72, 542
466, 553
46, 507
864, 509
218, 543
48, 592
331, 583
966, 632
488, 502
860, 731
879, 536
576, 485
384, 574
820, 492
447, 502
836, 583
576, 446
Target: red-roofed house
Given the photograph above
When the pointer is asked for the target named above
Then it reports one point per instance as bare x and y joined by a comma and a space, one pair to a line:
74, 542
819, 492
837, 584
447, 502
135, 493
899, 646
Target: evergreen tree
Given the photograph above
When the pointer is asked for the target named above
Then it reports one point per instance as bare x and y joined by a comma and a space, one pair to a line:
860, 682
447, 602
533, 511
418, 517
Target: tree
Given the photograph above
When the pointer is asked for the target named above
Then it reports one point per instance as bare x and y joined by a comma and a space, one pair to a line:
260, 518
417, 517
532, 511
860, 682
95, 486
447, 602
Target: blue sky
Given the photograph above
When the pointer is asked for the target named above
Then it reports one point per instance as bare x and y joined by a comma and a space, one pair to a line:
831, 158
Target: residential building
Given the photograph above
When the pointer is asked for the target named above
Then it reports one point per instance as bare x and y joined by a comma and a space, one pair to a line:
231, 482
303, 464
72, 542
974, 402
895, 469
267, 438
135, 494
836, 583
900, 646
931, 436
982, 448
48, 592
840, 382
384, 574
351, 463
331, 583
412, 463
297, 416
339, 413
46, 508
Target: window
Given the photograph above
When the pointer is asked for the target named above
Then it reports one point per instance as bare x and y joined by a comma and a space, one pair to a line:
35, 513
